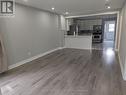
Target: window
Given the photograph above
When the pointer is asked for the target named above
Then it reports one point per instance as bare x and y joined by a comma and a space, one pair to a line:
111, 27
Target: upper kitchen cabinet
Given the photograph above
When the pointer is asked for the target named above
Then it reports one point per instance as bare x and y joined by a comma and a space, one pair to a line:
88, 24
69, 22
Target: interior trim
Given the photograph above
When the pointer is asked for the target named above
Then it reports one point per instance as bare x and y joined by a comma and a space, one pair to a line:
105, 13
122, 68
32, 58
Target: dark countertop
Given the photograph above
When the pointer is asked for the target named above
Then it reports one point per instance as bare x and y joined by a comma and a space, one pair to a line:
81, 33
88, 34
78, 36
84, 34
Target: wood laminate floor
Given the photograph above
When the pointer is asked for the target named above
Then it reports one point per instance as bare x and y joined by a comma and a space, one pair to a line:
66, 72
104, 45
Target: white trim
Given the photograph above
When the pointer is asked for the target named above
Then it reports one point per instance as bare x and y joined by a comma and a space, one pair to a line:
125, 71
105, 13
33, 58
120, 30
122, 68
62, 47
117, 31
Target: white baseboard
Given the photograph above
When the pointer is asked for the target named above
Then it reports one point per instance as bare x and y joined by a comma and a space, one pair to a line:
33, 58
122, 69
124, 77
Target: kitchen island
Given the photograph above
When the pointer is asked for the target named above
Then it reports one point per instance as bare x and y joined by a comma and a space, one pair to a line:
78, 41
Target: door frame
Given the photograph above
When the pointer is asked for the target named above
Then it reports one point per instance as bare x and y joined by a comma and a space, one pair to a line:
4, 62
115, 34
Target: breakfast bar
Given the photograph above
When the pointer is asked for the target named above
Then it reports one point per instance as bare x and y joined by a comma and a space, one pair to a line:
79, 42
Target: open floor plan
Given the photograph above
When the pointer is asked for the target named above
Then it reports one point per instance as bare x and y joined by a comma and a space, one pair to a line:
62, 47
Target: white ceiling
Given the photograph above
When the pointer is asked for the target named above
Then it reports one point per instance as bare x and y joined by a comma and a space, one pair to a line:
74, 7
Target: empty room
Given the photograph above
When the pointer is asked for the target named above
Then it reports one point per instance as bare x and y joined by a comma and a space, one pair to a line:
62, 47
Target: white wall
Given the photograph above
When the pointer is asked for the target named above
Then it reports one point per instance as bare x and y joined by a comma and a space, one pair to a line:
31, 30
122, 50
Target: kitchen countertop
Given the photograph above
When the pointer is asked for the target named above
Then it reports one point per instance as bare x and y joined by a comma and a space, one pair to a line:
79, 36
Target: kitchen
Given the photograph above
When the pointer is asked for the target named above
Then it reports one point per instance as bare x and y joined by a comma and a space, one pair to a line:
91, 32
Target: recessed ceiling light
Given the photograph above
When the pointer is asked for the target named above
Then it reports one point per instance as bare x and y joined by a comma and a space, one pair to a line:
108, 7
67, 13
53, 8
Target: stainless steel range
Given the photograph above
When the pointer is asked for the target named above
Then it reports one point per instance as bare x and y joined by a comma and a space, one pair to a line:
97, 38
97, 34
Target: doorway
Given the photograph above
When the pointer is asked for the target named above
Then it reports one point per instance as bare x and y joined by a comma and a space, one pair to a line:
109, 34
